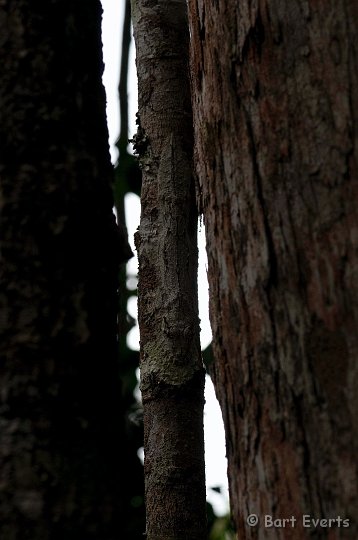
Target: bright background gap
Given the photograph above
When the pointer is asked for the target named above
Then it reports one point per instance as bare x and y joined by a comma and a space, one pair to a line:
215, 460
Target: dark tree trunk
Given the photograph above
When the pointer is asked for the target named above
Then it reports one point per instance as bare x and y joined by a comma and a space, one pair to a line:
275, 112
172, 375
60, 446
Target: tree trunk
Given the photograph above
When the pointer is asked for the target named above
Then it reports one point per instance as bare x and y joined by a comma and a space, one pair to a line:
172, 375
275, 103
61, 447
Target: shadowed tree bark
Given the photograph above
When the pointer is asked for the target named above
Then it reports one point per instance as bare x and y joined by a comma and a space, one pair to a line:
275, 105
61, 451
172, 375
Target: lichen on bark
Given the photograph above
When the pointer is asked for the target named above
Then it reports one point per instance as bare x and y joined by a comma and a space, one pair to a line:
172, 375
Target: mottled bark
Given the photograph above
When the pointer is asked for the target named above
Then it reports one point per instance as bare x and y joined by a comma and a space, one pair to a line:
172, 376
60, 446
275, 108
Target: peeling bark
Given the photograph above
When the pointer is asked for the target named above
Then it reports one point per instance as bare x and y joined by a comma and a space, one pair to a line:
172, 375
275, 102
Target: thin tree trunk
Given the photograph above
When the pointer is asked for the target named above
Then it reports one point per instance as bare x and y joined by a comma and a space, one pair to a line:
172, 375
122, 142
126, 168
275, 100
61, 430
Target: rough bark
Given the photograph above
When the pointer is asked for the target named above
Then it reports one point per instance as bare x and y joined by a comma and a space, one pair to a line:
60, 435
275, 105
172, 375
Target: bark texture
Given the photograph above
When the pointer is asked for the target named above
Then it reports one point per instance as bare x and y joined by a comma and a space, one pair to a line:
60, 446
172, 375
275, 113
